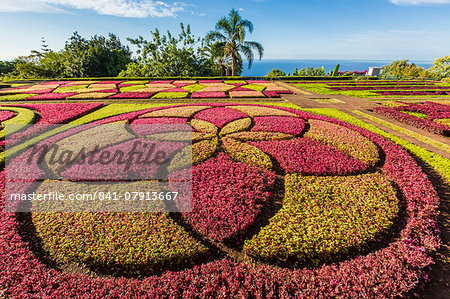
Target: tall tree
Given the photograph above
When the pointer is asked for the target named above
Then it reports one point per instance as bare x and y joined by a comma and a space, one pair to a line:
168, 55
441, 67
217, 55
230, 33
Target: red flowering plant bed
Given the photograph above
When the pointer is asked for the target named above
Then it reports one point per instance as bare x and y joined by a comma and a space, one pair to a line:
285, 204
422, 116
143, 89
378, 89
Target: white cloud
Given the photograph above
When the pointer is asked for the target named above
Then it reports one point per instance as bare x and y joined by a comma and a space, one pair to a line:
120, 8
419, 2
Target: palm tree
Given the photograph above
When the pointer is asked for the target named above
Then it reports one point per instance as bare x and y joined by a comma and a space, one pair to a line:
230, 34
216, 54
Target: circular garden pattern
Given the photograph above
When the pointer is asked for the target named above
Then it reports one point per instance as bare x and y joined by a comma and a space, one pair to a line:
282, 201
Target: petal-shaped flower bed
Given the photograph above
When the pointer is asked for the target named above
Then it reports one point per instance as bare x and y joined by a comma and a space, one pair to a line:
325, 216
116, 170
309, 157
236, 126
349, 142
281, 124
103, 239
219, 116
228, 197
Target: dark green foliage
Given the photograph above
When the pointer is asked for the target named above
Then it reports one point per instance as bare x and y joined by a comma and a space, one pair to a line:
336, 70
98, 56
6, 67
309, 71
169, 56
276, 73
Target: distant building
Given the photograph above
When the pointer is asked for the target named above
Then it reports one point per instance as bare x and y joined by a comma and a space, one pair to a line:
374, 71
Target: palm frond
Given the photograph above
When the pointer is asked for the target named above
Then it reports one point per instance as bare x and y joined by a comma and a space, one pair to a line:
255, 46
247, 24
248, 53
223, 25
215, 36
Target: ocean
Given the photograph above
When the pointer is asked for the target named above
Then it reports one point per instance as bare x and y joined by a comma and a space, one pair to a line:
261, 68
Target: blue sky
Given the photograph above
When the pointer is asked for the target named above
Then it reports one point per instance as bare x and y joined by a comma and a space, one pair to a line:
288, 29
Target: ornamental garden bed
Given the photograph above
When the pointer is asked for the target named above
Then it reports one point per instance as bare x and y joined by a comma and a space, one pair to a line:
286, 203
429, 116
379, 89
144, 89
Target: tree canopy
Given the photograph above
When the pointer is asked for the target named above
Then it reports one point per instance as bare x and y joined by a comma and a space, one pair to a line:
441, 66
80, 57
230, 33
166, 55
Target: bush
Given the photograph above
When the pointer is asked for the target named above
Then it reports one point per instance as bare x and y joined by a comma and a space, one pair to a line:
276, 73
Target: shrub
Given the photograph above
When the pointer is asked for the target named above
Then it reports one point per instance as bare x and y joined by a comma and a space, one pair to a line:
276, 73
